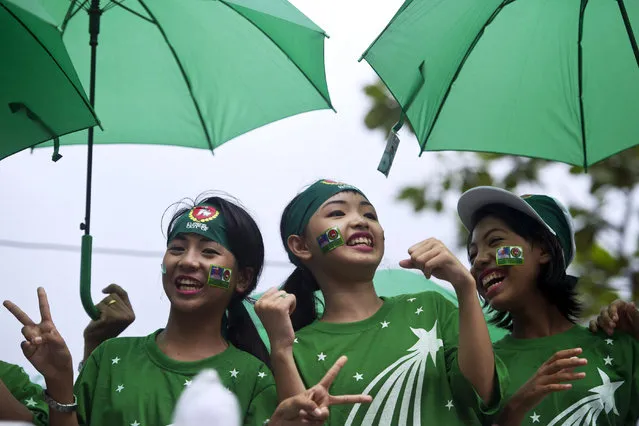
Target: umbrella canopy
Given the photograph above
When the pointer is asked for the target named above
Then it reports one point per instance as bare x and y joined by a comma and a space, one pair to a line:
389, 283
557, 80
192, 73
41, 97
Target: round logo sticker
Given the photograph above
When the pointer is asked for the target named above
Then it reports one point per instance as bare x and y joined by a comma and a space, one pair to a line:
203, 213
227, 275
332, 234
515, 252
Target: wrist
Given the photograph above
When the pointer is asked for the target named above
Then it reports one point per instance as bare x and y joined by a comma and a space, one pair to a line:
465, 289
61, 390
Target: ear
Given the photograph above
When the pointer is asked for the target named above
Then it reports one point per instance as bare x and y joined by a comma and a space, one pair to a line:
244, 279
544, 256
298, 246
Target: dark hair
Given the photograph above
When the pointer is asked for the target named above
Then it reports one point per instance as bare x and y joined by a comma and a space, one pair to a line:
300, 283
246, 244
555, 286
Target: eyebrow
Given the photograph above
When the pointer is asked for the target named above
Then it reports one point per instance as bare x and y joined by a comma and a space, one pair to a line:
342, 202
486, 234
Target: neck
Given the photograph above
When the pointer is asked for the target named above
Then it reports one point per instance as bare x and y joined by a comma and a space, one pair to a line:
538, 319
348, 301
191, 336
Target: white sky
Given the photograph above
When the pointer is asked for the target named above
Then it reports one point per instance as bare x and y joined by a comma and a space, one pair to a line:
44, 202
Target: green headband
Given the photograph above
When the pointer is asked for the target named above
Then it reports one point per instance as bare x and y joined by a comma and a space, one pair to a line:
305, 205
205, 220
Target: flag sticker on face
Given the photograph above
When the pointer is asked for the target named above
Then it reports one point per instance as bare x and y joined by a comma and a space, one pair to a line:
330, 240
219, 277
510, 255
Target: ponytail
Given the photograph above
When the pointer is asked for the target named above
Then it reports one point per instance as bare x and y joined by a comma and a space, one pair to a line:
242, 333
303, 285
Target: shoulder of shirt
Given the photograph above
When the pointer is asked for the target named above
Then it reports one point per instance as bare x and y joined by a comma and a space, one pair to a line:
428, 295
250, 359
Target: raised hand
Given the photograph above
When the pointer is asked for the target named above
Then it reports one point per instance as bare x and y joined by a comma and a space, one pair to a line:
312, 406
116, 314
274, 309
433, 258
619, 315
44, 347
550, 377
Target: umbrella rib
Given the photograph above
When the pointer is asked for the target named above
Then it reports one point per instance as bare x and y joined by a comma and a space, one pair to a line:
580, 73
631, 34
71, 13
28, 30
128, 9
458, 70
183, 71
328, 101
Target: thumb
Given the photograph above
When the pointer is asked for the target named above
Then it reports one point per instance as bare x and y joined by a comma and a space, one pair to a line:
407, 264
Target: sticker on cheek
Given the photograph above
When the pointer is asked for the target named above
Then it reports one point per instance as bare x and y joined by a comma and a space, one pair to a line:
330, 240
219, 277
510, 255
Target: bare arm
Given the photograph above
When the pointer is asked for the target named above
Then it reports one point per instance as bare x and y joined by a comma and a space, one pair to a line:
11, 408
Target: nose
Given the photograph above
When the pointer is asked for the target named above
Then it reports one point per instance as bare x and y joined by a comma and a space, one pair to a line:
358, 221
189, 261
481, 261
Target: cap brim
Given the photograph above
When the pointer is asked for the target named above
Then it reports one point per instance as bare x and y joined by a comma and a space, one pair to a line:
476, 198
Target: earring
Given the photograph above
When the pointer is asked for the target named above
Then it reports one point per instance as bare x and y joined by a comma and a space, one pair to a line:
163, 268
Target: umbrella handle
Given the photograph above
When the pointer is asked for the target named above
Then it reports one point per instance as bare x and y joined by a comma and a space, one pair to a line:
85, 278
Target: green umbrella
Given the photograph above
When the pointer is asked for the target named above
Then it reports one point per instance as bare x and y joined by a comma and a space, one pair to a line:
41, 97
557, 80
390, 282
192, 73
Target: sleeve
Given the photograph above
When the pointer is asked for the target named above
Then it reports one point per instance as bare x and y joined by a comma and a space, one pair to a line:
633, 412
26, 392
263, 402
463, 390
86, 384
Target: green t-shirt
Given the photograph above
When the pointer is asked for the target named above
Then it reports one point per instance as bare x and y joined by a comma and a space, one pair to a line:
130, 381
608, 395
405, 357
25, 391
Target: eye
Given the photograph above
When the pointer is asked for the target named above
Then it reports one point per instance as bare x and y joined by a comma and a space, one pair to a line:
336, 213
371, 216
210, 252
175, 249
495, 240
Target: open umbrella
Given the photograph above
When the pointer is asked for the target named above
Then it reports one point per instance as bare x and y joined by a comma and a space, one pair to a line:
41, 97
389, 283
557, 80
193, 73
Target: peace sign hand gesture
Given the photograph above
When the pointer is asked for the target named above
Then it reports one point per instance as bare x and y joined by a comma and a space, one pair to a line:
43, 347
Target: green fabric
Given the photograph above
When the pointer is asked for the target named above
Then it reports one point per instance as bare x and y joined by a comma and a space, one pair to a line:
129, 380
196, 73
405, 356
305, 205
550, 212
22, 389
611, 382
388, 282
512, 84
205, 220
37, 73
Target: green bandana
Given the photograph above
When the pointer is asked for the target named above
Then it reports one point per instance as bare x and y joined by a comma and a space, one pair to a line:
204, 220
306, 204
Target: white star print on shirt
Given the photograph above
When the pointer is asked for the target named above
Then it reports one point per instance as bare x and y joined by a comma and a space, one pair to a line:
609, 342
234, 372
449, 405
608, 360
296, 341
115, 360
261, 374
135, 423
535, 417
188, 382
419, 310
321, 356
412, 299
358, 376
384, 324
30, 402
120, 388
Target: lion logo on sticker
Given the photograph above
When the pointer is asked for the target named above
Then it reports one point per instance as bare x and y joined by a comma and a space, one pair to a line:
515, 252
332, 234
227, 275
203, 213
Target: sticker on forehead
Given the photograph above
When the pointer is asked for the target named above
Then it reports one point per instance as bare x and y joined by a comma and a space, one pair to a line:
203, 213
330, 240
510, 255
219, 277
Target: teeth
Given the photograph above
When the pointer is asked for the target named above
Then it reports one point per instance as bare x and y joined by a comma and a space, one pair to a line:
360, 240
490, 277
186, 282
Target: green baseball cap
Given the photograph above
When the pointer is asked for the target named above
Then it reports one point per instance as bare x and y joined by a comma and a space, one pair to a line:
544, 209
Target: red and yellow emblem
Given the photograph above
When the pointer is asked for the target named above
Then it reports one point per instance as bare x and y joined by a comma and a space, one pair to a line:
203, 214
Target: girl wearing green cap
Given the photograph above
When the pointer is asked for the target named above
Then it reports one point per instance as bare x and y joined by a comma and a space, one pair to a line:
561, 373
213, 259
421, 360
